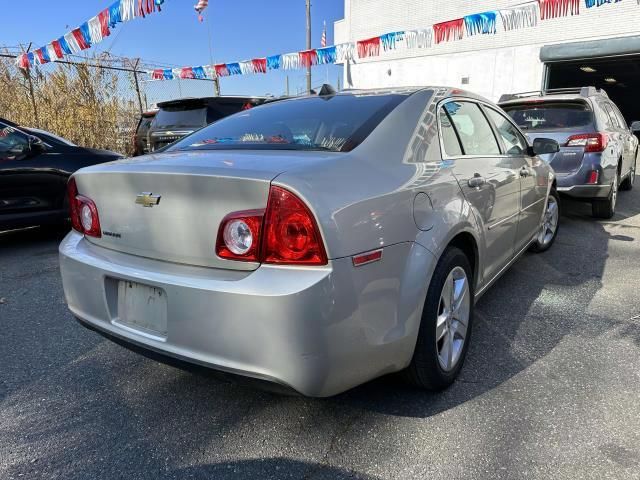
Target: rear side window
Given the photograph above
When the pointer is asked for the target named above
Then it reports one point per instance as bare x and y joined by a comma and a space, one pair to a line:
449, 138
474, 131
612, 116
336, 123
550, 115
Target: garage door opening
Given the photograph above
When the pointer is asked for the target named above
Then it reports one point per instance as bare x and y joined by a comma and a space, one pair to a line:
618, 76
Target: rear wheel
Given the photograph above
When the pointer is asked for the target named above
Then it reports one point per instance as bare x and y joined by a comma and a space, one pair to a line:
550, 224
445, 328
629, 181
607, 208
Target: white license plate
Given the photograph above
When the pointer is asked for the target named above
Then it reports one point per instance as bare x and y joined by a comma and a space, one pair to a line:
142, 307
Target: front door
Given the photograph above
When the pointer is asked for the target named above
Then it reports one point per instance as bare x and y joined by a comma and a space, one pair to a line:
489, 180
534, 180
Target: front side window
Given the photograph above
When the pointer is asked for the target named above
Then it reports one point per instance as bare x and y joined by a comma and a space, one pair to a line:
337, 123
514, 143
474, 131
13, 143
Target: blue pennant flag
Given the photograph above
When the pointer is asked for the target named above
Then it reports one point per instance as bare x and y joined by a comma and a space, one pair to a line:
198, 72
64, 46
234, 68
482, 23
115, 14
388, 40
84, 29
326, 55
167, 74
273, 62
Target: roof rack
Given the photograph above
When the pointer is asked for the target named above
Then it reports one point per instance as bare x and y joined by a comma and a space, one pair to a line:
583, 91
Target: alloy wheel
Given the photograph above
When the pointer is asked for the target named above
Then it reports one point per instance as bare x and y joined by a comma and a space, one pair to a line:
453, 318
549, 222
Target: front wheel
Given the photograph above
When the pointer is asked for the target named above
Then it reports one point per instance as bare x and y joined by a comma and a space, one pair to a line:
549, 225
445, 328
629, 181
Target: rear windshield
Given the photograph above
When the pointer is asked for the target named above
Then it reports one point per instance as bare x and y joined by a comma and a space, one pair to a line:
337, 123
550, 116
175, 117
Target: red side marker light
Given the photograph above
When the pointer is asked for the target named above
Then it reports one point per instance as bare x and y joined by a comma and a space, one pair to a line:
365, 258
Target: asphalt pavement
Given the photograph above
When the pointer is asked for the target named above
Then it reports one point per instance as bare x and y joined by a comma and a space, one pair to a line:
551, 387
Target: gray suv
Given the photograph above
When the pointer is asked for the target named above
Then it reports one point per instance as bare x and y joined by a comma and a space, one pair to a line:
597, 149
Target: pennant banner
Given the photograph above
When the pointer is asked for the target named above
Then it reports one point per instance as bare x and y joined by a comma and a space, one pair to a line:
90, 32
525, 15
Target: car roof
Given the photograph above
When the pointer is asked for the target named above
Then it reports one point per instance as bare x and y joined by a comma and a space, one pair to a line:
582, 94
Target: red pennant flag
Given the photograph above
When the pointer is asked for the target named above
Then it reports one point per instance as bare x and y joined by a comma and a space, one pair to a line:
259, 65
308, 58
558, 8
57, 48
222, 70
77, 34
451, 30
158, 74
369, 47
103, 16
40, 56
187, 72
23, 61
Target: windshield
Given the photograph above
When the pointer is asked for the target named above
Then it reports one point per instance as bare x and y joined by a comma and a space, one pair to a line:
550, 116
177, 117
338, 123
49, 137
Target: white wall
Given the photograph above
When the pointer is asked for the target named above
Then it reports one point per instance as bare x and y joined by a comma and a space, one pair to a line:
495, 64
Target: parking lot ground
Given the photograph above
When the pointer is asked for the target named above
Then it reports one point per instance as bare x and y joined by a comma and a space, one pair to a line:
551, 387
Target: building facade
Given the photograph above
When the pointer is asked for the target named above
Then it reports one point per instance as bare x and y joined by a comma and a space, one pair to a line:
554, 53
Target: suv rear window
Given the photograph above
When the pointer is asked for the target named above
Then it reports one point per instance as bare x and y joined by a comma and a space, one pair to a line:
550, 115
338, 123
173, 117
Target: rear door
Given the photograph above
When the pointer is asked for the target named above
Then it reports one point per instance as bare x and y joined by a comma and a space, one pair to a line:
489, 180
533, 178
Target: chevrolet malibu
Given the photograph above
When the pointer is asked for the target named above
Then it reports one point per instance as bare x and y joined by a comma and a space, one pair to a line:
313, 243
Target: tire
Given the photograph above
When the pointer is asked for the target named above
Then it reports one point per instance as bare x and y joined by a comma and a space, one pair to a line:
606, 208
628, 182
427, 369
550, 224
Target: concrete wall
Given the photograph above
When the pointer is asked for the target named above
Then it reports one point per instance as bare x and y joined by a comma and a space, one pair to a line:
494, 64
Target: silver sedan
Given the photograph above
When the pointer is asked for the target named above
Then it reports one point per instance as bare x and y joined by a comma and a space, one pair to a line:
315, 243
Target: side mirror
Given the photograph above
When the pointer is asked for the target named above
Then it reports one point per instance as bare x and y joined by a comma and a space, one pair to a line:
543, 146
635, 126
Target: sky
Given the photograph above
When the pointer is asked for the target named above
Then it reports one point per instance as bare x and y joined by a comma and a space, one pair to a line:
240, 30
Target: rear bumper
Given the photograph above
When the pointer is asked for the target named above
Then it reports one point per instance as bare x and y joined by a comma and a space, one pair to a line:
318, 331
586, 191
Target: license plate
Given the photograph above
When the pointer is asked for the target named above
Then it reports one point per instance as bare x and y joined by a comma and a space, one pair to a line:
142, 307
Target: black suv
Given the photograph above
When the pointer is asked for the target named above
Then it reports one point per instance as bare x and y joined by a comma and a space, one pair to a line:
141, 137
177, 118
598, 150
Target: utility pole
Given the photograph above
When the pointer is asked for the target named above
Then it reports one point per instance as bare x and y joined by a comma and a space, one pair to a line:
308, 44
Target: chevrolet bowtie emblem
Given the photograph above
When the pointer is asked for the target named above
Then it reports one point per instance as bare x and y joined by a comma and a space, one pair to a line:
148, 199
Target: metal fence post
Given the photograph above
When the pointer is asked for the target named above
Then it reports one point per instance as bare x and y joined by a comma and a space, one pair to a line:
135, 76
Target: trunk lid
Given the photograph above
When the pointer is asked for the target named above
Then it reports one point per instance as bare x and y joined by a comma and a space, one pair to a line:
196, 191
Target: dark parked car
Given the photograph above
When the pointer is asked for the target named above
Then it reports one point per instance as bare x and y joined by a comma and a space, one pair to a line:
34, 168
141, 137
598, 150
178, 118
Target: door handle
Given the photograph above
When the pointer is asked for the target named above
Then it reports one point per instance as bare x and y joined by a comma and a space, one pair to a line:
476, 181
524, 172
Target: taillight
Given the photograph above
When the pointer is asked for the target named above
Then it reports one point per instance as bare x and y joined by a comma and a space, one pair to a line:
239, 236
592, 142
593, 177
83, 212
285, 234
291, 235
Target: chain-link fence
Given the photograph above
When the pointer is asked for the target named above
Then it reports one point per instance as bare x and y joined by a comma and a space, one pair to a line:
93, 103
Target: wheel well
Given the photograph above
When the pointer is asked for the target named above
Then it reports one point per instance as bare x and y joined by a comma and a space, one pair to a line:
465, 242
